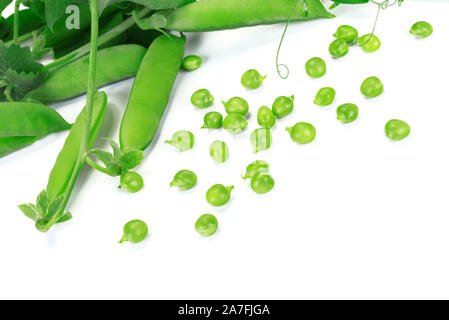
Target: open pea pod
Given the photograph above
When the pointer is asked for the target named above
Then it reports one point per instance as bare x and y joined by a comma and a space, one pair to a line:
21, 124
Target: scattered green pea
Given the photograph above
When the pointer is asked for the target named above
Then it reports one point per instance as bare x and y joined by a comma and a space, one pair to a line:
212, 120
202, 99
316, 67
236, 105
372, 87
252, 79
338, 48
421, 29
302, 132
134, 231
131, 182
261, 139
218, 195
191, 63
283, 106
182, 140
397, 129
235, 123
347, 33
347, 112
206, 225
325, 96
256, 167
184, 180
265, 117
369, 42
219, 151
262, 183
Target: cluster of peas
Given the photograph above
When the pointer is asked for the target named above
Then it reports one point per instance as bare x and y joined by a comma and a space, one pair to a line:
235, 122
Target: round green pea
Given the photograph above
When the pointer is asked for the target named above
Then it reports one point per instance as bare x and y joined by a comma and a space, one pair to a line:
262, 183
346, 33
372, 87
283, 106
265, 117
212, 120
261, 139
302, 132
369, 42
316, 67
182, 140
236, 105
202, 99
347, 112
258, 166
206, 225
421, 29
252, 79
338, 48
218, 195
191, 63
219, 151
235, 123
131, 182
134, 231
397, 129
184, 180
325, 96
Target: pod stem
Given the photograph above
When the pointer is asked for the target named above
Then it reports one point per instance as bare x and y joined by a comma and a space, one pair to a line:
123, 239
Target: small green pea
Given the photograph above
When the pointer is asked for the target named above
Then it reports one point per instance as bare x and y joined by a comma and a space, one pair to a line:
184, 180
202, 99
302, 132
258, 166
283, 106
218, 195
372, 87
191, 63
397, 129
182, 140
236, 105
265, 117
369, 42
347, 33
261, 139
206, 225
325, 96
338, 48
212, 120
131, 182
421, 29
316, 67
262, 183
347, 112
252, 79
134, 231
219, 151
235, 123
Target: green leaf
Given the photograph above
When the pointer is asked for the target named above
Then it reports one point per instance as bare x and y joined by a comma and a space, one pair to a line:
42, 201
115, 148
64, 217
103, 156
21, 83
157, 21
30, 210
55, 9
4, 4
54, 207
130, 159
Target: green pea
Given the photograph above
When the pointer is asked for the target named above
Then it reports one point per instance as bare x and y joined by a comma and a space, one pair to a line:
213, 120
347, 33
397, 129
206, 225
182, 140
347, 112
283, 106
252, 79
236, 105
131, 182
258, 166
134, 231
316, 67
302, 132
369, 42
191, 63
372, 87
202, 99
262, 183
218, 195
261, 139
421, 29
325, 96
219, 151
265, 117
338, 48
235, 123
184, 180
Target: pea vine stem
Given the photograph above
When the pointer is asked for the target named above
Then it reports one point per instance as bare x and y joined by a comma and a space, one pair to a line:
16, 21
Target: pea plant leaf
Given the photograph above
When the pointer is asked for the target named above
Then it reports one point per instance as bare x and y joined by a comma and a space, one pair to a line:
152, 4
55, 9
4, 4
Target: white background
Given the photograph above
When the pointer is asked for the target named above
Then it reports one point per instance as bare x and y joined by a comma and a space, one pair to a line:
352, 215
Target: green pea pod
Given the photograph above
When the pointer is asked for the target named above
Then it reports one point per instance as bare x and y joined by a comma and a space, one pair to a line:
70, 81
151, 92
21, 124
